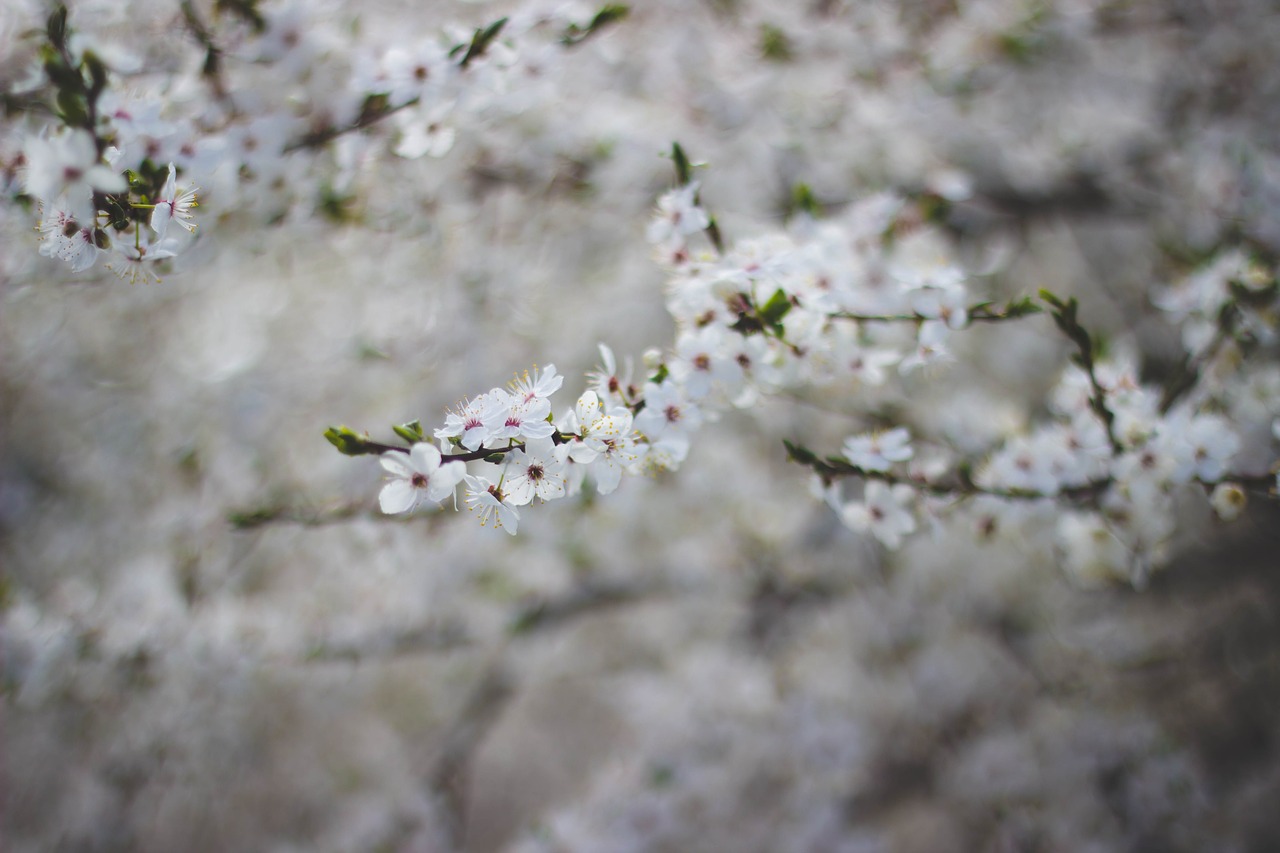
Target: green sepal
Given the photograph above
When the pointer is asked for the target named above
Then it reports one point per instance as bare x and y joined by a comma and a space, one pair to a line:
120, 214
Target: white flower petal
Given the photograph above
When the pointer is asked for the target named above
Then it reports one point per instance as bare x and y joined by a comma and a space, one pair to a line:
424, 458
397, 463
397, 496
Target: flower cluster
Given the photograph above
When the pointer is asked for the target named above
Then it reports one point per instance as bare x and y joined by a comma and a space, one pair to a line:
112, 151
77, 194
866, 301
518, 452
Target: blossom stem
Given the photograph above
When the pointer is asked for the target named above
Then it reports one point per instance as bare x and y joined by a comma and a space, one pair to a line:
211, 70
263, 516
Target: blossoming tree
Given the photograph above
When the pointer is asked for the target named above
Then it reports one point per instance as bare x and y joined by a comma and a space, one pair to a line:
969, 307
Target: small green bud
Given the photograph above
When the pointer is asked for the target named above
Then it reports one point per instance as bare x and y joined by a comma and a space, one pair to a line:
410, 432
348, 441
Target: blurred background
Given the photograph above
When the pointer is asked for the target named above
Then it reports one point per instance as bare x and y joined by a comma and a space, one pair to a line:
213, 642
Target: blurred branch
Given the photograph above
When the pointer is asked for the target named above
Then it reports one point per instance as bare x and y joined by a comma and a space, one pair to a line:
1065, 317
979, 313
393, 643
588, 597
375, 109
960, 486
450, 774
211, 70
262, 516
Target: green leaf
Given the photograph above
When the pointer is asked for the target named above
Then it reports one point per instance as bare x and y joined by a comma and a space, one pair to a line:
72, 108
608, 14
246, 10
97, 74
796, 453
212, 62
713, 234
1022, 307
59, 74
776, 308
57, 27
684, 174
1049, 297
774, 44
373, 108
803, 199
481, 40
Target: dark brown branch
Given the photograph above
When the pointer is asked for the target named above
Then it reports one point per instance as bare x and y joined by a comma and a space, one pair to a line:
449, 778
368, 117
961, 485
251, 519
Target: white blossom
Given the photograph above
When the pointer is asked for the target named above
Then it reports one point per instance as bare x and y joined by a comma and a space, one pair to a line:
417, 477
884, 512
